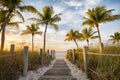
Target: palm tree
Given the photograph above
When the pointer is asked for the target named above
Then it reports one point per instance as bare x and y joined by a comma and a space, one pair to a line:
115, 38
48, 17
32, 29
73, 35
98, 15
12, 7
88, 34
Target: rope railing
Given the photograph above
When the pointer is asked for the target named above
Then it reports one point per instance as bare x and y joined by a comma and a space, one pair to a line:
6, 55
16, 64
97, 74
87, 59
104, 54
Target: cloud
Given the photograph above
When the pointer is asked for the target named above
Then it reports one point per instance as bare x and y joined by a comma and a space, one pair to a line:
70, 18
92, 2
76, 3
58, 9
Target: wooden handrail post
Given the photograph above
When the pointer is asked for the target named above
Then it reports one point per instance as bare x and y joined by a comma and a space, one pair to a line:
25, 60
70, 54
73, 55
41, 56
101, 48
12, 47
51, 54
86, 59
54, 54
48, 52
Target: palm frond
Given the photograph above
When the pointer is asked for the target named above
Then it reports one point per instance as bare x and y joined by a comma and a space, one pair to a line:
13, 24
25, 32
35, 19
19, 15
40, 32
94, 37
27, 9
55, 26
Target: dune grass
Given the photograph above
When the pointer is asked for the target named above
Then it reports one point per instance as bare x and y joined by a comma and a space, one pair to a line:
106, 66
11, 66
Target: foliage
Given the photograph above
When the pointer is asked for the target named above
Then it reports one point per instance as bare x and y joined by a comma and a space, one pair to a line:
48, 17
98, 15
73, 35
102, 65
11, 9
11, 66
115, 38
32, 29
87, 34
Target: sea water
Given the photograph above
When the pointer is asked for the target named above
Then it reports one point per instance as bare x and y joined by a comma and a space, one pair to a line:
60, 54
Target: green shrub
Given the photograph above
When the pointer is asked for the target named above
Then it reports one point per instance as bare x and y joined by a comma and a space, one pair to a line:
107, 66
11, 67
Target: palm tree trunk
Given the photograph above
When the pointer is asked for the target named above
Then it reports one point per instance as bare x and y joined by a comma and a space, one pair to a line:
32, 43
76, 43
44, 44
3, 38
118, 43
3, 29
88, 43
99, 36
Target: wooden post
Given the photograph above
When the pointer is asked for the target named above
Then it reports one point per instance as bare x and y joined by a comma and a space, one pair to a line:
12, 46
25, 65
41, 56
54, 54
73, 55
48, 52
86, 59
101, 48
51, 54
70, 54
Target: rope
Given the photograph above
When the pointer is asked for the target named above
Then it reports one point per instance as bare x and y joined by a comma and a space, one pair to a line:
7, 55
104, 54
97, 73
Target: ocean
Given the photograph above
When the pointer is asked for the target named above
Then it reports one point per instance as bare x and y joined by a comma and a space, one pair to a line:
60, 54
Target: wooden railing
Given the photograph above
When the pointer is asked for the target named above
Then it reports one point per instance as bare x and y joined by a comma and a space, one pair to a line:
49, 53
86, 60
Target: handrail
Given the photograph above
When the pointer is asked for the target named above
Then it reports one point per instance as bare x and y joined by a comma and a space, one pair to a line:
104, 54
97, 74
7, 55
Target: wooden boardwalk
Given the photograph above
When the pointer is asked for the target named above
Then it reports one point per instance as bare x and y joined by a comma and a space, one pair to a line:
59, 71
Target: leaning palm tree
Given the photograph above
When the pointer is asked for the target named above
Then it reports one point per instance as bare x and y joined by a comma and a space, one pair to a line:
48, 17
98, 15
12, 7
73, 36
32, 29
88, 34
115, 38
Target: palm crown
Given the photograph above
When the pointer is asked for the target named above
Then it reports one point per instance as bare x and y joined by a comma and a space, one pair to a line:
12, 7
88, 34
48, 17
32, 29
115, 38
98, 15
73, 35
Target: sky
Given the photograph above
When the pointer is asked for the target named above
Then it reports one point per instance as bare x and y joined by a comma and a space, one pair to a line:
72, 14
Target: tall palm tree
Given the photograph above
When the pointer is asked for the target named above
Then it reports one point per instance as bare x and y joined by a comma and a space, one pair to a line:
115, 38
12, 7
48, 17
98, 15
88, 34
73, 36
32, 29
